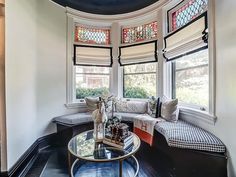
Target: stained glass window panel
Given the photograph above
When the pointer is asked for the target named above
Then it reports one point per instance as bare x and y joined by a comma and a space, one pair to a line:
92, 35
139, 33
187, 13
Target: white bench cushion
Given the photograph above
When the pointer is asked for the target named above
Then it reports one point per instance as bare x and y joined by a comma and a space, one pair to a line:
74, 119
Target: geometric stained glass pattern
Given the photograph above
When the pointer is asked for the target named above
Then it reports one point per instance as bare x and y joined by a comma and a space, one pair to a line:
92, 35
187, 12
139, 33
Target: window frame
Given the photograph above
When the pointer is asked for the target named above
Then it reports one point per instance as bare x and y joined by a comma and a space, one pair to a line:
71, 101
190, 112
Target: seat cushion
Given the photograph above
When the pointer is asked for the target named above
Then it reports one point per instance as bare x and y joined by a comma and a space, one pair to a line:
184, 135
74, 119
126, 116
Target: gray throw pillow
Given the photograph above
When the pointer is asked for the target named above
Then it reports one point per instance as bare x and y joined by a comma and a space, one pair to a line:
169, 109
91, 103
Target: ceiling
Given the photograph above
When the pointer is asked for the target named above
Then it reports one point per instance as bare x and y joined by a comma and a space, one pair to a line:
106, 7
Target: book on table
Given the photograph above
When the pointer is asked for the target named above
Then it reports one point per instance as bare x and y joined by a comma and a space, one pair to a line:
123, 143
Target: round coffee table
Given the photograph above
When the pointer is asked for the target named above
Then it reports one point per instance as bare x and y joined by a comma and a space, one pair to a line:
85, 149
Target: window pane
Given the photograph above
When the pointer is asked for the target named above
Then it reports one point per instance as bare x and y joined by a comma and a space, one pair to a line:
139, 33
187, 12
92, 35
91, 83
89, 69
140, 80
192, 83
141, 68
195, 59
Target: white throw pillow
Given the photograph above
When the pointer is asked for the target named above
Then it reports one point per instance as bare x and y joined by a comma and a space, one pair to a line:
169, 109
91, 103
140, 107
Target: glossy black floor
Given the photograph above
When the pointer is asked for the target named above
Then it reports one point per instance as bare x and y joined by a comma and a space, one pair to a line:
52, 162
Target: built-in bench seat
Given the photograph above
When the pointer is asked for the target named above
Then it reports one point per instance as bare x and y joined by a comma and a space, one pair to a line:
180, 134
184, 135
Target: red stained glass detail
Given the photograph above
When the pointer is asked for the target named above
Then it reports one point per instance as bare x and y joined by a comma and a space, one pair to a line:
92, 35
187, 13
139, 33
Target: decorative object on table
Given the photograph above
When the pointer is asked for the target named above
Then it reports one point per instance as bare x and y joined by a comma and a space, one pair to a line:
118, 135
120, 130
144, 127
100, 153
113, 120
99, 117
169, 109
109, 102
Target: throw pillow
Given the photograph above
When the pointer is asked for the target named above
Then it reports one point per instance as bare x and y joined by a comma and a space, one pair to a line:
169, 109
141, 107
158, 114
91, 103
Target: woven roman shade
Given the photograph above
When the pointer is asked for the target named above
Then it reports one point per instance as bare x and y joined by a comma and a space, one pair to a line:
92, 56
188, 39
138, 53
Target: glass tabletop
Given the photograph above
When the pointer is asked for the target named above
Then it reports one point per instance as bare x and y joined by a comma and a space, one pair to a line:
84, 147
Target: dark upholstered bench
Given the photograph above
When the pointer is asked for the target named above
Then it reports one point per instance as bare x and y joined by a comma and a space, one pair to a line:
190, 150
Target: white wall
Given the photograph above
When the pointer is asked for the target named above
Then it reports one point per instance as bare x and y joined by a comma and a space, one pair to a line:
35, 72
224, 128
226, 77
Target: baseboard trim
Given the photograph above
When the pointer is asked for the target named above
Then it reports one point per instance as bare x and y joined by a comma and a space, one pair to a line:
27, 159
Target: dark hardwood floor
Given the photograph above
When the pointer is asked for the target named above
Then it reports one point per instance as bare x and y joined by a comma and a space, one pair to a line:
52, 162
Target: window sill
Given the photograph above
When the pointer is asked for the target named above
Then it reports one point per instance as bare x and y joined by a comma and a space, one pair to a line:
75, 105
194, 115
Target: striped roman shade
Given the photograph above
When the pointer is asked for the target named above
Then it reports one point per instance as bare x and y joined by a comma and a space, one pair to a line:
92, 56
138, 53
188, 39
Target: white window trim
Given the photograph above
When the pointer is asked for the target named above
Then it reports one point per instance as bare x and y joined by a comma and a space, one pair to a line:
189, 112
71, 101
